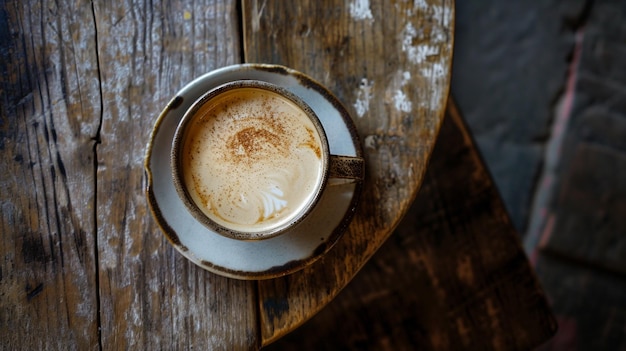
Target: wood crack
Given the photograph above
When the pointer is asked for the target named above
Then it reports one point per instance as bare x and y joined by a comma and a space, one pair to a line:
97, 140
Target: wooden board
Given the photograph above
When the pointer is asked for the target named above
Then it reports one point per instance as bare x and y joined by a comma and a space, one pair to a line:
151, 295
453, 276
389, 63
49, 117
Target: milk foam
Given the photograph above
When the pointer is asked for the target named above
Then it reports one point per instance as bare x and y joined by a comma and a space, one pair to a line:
252, 159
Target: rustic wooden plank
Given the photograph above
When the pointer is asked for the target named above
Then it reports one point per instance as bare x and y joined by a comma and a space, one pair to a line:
452, 277
49, 112
389, 63
151, 296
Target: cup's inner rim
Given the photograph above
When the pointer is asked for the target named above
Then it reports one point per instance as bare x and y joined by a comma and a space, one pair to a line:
177, 158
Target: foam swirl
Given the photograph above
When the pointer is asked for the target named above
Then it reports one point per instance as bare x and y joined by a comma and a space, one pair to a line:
252, 160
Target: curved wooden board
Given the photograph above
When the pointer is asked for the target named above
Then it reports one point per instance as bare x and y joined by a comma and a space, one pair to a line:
389, 63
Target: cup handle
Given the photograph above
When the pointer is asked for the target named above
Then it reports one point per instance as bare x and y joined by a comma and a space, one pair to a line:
346, 167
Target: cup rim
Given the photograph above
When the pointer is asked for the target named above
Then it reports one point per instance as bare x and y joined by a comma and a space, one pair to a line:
177, 169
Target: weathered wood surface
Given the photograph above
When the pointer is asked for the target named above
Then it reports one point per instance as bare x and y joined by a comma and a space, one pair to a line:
82, 263
452, 277
82, 85
49, 105
389, 63
150, 296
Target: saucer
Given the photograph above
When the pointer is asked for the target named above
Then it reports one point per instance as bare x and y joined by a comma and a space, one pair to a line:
259, 259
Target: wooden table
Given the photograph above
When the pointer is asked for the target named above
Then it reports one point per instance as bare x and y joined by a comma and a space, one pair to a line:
453, 276
83, 265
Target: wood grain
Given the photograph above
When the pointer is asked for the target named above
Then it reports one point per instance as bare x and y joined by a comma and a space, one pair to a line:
83, 264
389, 64
151, 296
48, 121
453, 276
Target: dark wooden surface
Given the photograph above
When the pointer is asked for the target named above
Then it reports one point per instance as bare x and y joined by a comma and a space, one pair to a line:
452, 277
82, 263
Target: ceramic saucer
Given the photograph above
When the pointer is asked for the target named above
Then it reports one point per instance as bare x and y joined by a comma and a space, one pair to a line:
261, 259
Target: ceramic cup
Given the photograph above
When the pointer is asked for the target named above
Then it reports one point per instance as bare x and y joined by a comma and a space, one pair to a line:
250, 160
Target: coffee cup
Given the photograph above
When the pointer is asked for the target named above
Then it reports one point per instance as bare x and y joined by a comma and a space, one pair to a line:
250, 160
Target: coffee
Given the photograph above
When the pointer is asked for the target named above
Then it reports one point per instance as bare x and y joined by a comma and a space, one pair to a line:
251, 159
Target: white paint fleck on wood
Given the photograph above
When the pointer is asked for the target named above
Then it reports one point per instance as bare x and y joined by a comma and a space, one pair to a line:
395, 92
420, 4
420, 43
436, 70
363, 97
369, 142
360, 10
256, 15
402, 102
107, 254
416, 53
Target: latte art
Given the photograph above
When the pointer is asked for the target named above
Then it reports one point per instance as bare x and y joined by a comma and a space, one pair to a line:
252, 159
